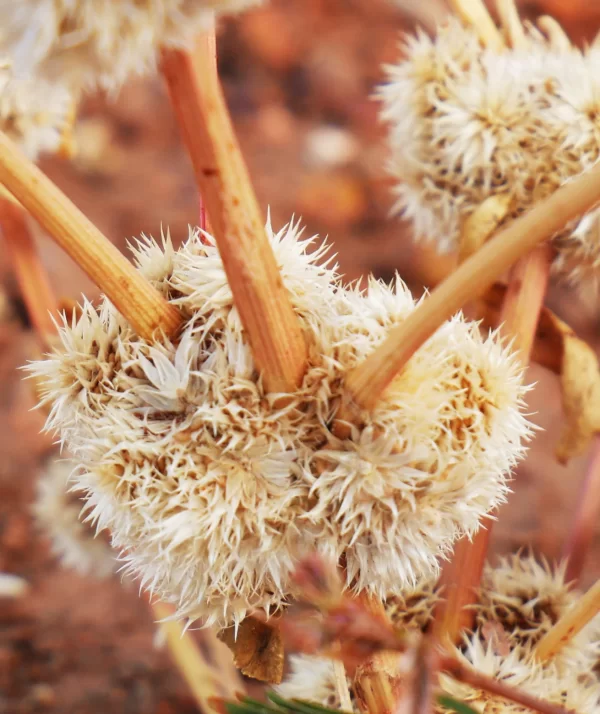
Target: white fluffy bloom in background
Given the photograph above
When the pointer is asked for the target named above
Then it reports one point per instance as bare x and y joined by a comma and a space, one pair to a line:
59, 514
526, 597
33, 113
213, 489
313, 679
89, 43
566, 689
467, 123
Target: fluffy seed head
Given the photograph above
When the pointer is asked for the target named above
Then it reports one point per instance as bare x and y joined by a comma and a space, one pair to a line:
59, 513
565, 688
33, 112
212, 489
313, 679
527, 597
88, 43
467, 123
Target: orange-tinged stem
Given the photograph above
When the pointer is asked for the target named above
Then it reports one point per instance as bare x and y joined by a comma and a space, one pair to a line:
272, 327
32, 278
141, 305
587, 514
366, 384
523, 303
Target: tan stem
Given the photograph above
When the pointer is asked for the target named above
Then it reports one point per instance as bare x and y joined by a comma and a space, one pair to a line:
523, 303
198, 675
32, 278
273, 329
509, 17
477, 680
587, 515
141, 305
341, 684
474, 13
569, 625
459, 583
366, 384
524, 299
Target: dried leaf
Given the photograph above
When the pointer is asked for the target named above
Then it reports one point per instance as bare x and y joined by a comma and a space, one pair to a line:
480, 225
580, 385
495, 636
257, 650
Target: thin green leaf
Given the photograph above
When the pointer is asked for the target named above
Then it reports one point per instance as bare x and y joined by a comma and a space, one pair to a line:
455, 705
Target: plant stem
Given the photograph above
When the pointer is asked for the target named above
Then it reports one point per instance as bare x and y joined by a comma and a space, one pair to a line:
141, 305
273, 329
32, 278
198, 675
523, 303
570, 624
366, 384
475, 679
585, 523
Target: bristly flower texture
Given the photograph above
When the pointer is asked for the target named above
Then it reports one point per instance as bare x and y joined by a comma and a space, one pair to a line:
33, 112
467, 123
213, 488
89, 43
526, 597
59, 514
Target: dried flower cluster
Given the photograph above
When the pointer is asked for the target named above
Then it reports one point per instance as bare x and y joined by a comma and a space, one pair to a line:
58, 512
89, 43
213, 487
33, 112
467, 123
520, 600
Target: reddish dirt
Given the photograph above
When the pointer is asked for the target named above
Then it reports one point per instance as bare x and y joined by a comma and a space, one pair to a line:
77, 646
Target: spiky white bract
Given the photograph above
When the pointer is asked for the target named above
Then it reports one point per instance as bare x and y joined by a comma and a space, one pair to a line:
33, 113
213, 488
313, 679
526, 597
466, 123
565, 688
59, 513
89, 43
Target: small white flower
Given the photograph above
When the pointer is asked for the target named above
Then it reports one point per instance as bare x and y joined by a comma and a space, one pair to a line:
88, 43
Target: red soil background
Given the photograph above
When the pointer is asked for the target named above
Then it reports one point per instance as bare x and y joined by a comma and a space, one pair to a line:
77, 646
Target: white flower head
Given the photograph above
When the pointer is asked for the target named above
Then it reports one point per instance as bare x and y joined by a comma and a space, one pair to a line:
517, 669
59, 512
88, 43
526, 597
212, 489
33, 112
467, 123
313, 679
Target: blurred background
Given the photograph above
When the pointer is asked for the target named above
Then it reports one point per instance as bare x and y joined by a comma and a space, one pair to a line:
299, 76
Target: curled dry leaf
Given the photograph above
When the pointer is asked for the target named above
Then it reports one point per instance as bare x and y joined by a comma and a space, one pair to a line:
559, 349
257, 649
480, 225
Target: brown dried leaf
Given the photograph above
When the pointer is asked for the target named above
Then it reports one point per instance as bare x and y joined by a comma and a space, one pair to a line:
257, 650
480, 225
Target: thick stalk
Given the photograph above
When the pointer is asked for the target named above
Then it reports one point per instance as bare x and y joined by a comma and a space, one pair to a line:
520, 314
570, 624
33, 280
585, 523
273, 329
366, 384
141, 305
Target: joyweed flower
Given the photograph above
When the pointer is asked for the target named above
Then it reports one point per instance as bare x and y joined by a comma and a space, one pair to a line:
212, 487
100, 42
467, 123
